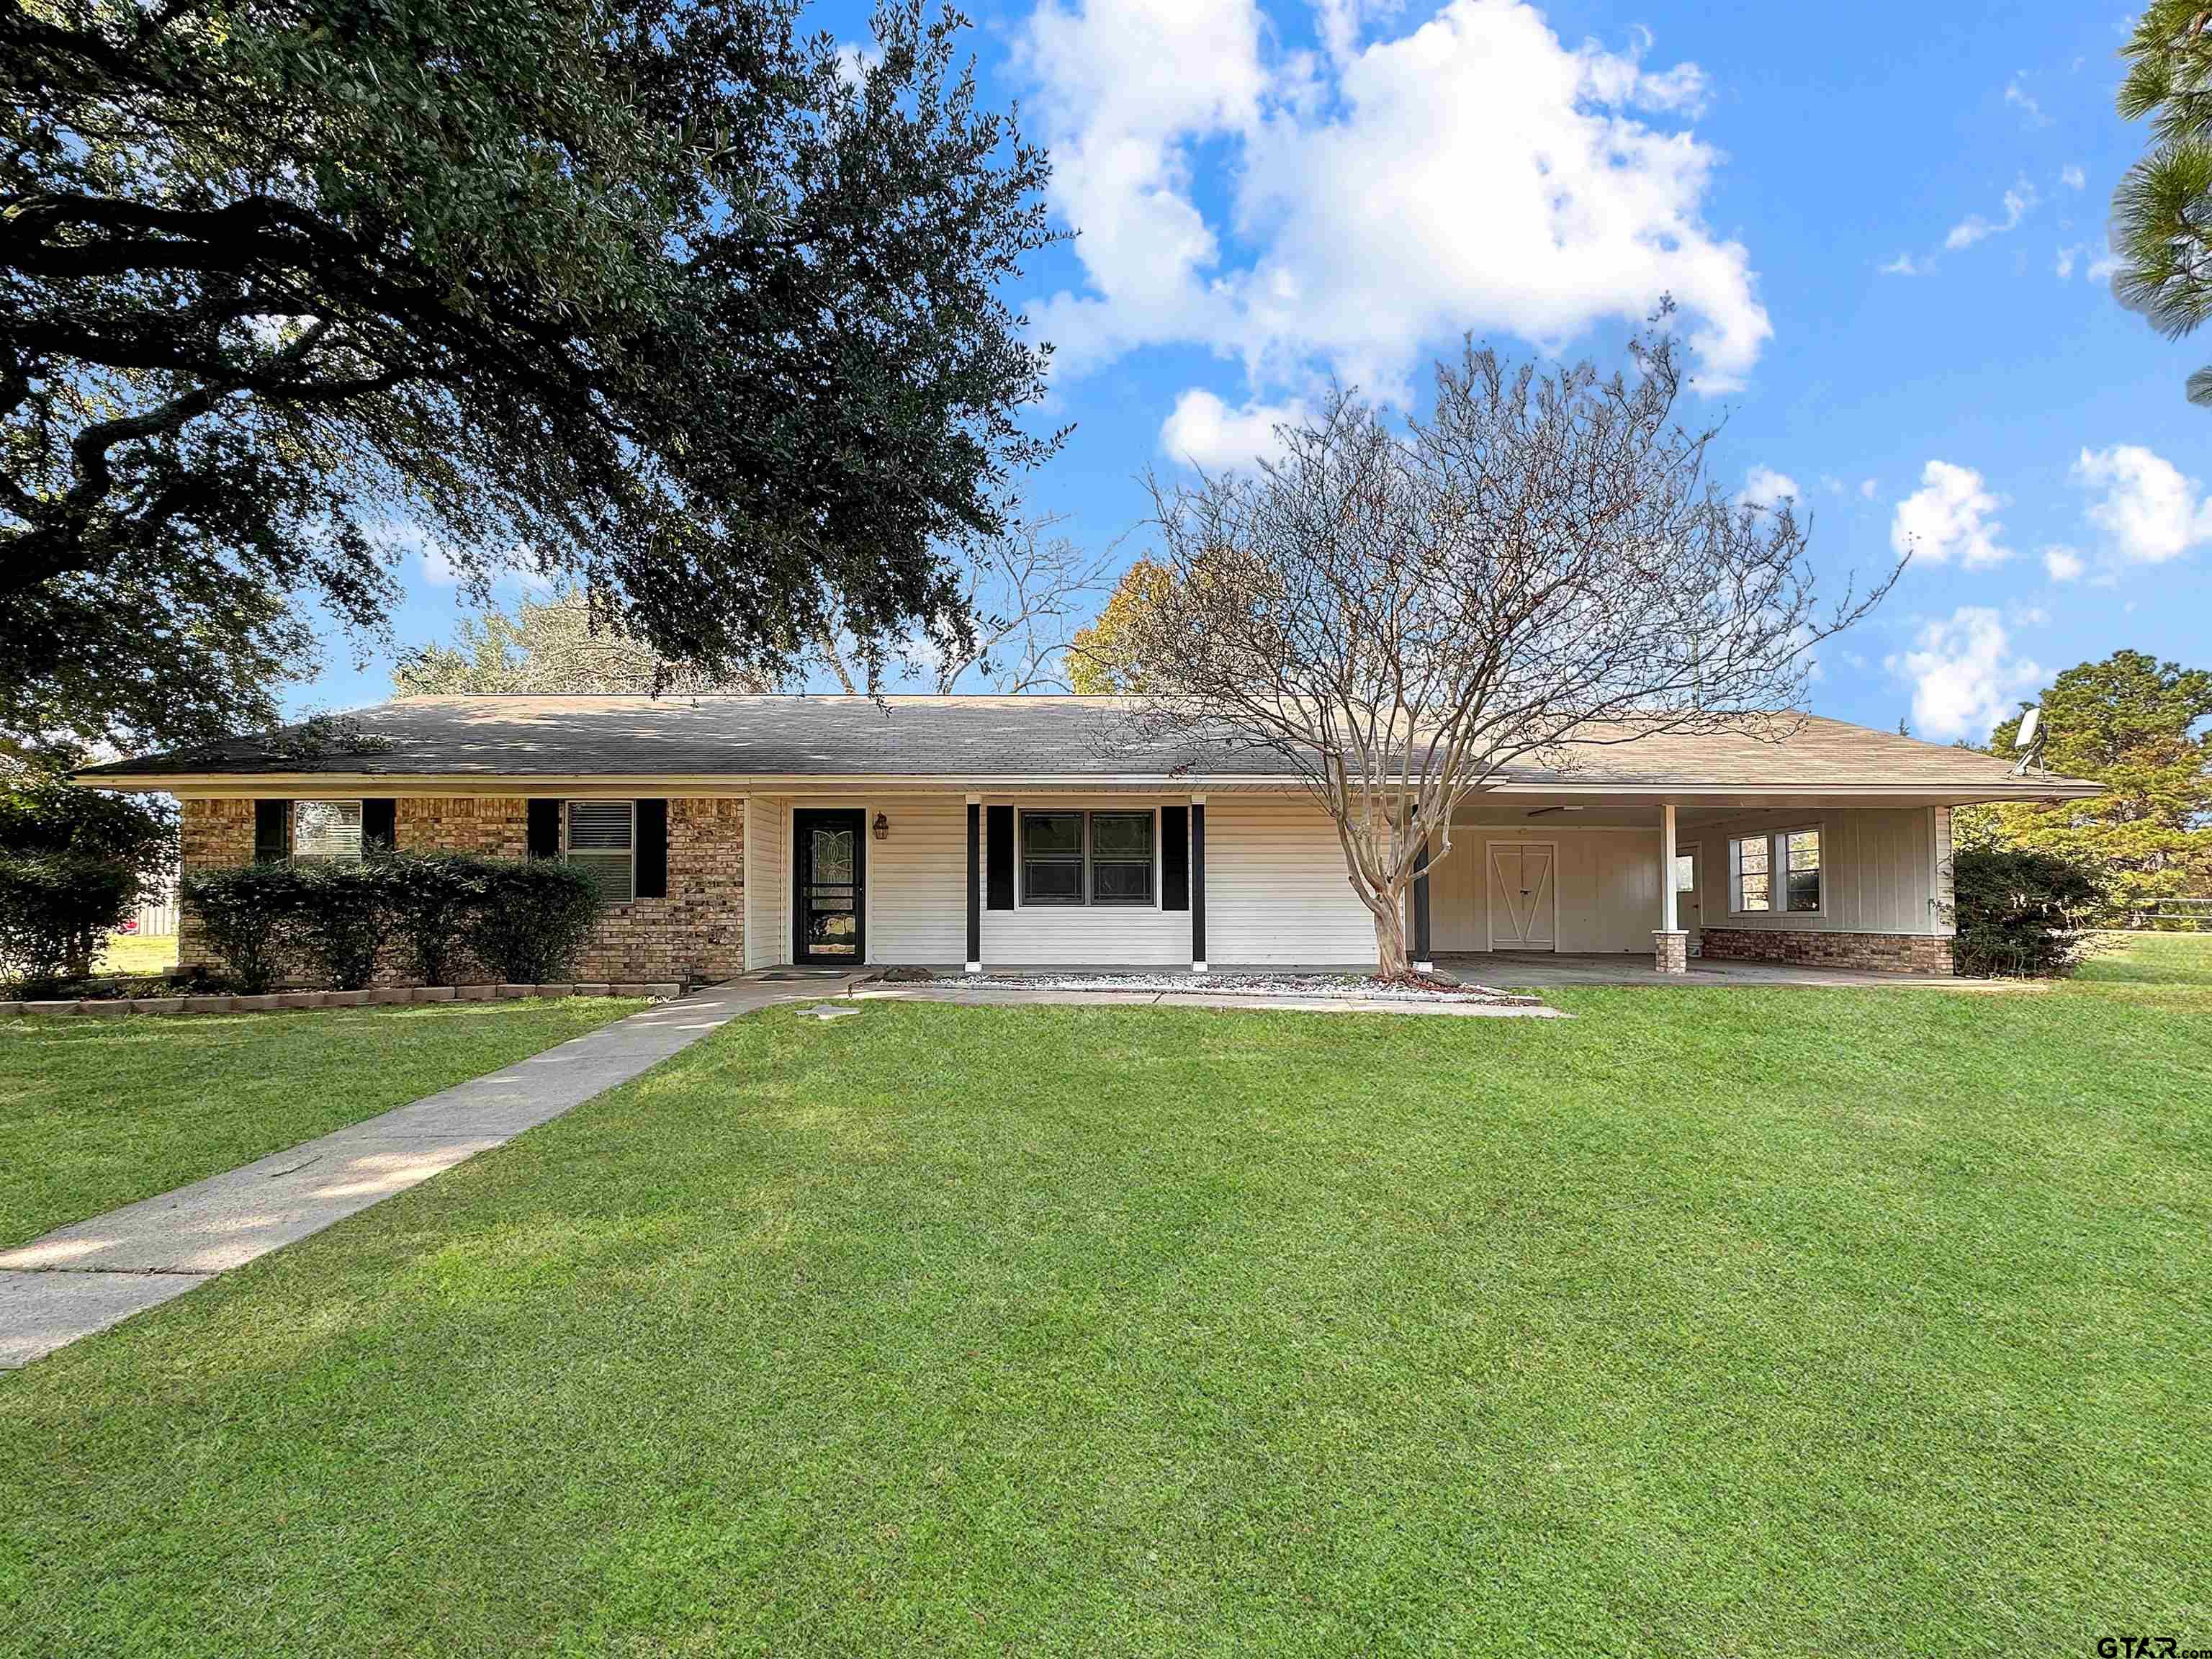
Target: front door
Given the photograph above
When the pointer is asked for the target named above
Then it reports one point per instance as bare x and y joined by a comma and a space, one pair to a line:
829, 869
1520, 907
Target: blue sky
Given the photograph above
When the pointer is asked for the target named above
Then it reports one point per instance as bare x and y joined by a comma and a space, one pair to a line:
1885, 234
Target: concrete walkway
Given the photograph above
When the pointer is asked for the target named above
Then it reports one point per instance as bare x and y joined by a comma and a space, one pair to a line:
91, 1274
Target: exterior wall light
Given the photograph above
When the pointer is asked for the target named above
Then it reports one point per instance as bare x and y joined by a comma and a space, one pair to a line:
883, 828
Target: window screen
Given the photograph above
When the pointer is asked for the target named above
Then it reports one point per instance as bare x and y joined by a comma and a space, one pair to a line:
327, 830
602, 840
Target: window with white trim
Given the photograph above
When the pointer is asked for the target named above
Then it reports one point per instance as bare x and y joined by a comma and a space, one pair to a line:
602, 843
1779, 872
327, 830
1099, 859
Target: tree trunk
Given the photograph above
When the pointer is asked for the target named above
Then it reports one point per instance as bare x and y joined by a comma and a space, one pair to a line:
1391, 962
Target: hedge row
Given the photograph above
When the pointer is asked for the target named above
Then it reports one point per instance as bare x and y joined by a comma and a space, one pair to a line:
525, 919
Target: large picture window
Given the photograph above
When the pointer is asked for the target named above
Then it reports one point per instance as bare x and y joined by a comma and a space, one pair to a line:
1089, 858
1780, 871
603, 841
327, 830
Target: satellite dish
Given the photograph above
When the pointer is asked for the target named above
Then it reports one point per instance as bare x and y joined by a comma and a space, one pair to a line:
2030, 723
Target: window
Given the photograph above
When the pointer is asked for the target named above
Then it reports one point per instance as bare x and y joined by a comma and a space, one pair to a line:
603, 841
1754, 873
327, 830
1120, 858
1802, 883
1052, 858
1089, 858
1792, 857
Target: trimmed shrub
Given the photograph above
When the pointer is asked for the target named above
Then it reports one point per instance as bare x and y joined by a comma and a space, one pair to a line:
55, 908
2022, 914
536, 915
249, 914
342, 914
433, 900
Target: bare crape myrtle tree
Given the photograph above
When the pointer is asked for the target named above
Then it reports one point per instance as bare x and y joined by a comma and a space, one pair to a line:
1541, 566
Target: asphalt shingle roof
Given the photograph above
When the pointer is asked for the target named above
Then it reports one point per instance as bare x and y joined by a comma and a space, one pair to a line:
986, 737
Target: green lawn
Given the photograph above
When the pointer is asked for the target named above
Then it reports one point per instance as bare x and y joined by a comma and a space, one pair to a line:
133, 953
94, 1113
2152, 959
1710, 1322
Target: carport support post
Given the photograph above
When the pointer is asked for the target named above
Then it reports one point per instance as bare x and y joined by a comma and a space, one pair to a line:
975, 880
1670, 952
1198, 883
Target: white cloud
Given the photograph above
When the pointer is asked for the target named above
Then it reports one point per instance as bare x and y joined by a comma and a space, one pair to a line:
2017, 96
1204, 431
1964, 678
1905, 266
2073, 178
1381, 197
854, 63
1952, 514
2147, 510
2062, 564
2067, 255
2019, 202
1764, 487
1867, 486
2102, 267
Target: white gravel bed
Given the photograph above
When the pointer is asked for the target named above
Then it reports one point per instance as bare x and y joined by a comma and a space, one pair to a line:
1348, 988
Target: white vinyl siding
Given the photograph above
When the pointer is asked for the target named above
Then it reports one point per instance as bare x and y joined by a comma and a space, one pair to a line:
327, 830
917, 888
768, 884
1276, 891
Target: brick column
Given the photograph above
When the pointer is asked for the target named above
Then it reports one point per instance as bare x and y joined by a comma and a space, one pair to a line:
1670, 951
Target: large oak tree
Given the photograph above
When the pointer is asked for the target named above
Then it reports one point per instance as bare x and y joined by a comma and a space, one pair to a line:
662, 297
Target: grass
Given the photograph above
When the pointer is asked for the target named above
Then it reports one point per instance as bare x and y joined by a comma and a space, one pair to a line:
133, 953
1711, 1322
2152, 959
95, 1113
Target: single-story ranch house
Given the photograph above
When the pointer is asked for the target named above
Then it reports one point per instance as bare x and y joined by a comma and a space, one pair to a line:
738, 833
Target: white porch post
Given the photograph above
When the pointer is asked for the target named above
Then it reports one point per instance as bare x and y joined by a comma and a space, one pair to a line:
1670, 952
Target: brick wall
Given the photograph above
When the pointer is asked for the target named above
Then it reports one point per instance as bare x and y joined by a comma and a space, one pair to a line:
497, 826
210, 833
697, 932
1901, 953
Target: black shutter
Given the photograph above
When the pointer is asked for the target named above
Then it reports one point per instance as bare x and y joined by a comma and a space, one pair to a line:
544, 828
999, 857
379, 826
272, 830
652, 849
1175, 858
